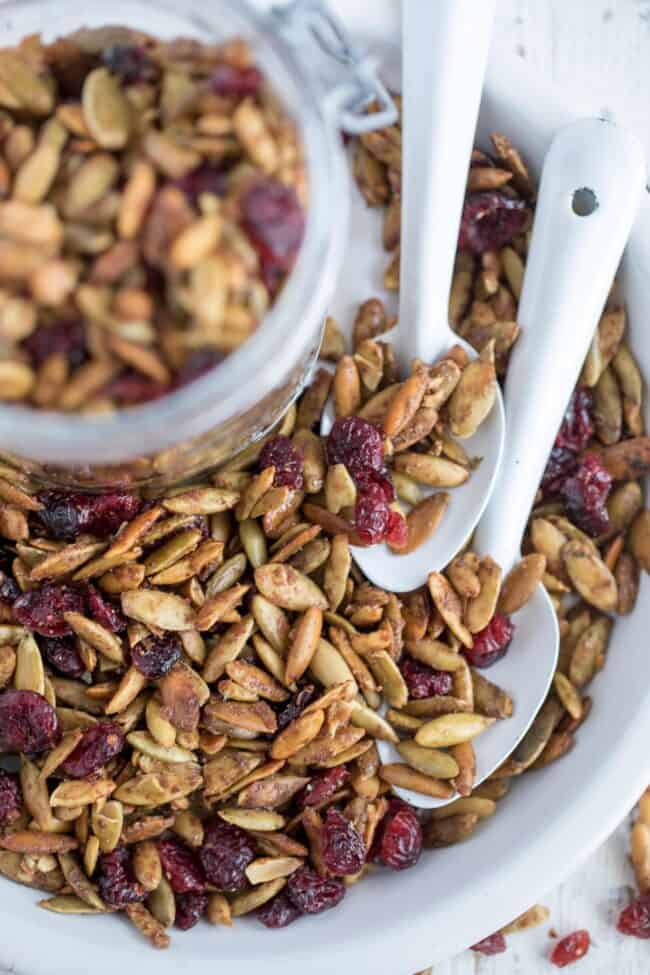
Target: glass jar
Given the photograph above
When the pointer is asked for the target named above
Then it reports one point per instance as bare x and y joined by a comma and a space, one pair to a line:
236, 403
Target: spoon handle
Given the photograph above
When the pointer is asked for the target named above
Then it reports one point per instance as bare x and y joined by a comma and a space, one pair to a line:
570, 269
445, 48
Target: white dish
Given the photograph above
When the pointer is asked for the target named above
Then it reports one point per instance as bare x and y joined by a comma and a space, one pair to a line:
396, 924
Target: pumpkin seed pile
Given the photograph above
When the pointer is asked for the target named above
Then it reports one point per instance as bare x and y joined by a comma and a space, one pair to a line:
151, 204
212, 663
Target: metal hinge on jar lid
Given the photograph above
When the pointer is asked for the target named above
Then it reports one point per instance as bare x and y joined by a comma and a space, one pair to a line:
362, 87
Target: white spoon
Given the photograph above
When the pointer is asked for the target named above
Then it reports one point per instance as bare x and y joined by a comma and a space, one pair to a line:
445, 48
570, 268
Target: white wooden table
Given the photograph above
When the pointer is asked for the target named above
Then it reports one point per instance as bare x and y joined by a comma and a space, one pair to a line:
601, 50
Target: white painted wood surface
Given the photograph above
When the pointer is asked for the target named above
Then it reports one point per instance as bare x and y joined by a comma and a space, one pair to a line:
598, 50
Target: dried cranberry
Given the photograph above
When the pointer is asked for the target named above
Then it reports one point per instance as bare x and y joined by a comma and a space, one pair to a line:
181, 866
422, 680
11, 798
28, 723
355, 443
190, 908
98, 745
104, 612
130, 63
323, 786
399, 837
274, 220
570, 949
577, 426
489, 221
197, 364
494, 944
397, 532
279, 452
368, 478
312, 894
66, 338
64, 516
560, 465
226, 852
228, 80
635, 918
207, 178
42, 609
116, 881
130, 388
344, 851
155, 656
278, 912
491, 643
295, 706
372, 516
585, 496
63, 655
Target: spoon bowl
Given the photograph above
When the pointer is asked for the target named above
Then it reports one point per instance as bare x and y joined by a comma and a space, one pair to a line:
403, 573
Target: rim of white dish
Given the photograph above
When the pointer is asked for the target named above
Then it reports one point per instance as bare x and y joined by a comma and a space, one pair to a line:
575, 825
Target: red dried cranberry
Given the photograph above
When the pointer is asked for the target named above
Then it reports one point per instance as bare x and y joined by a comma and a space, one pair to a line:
372, 516
399, 839
42, 609
28, 723
295, 706
635, 918
489, 221
344, 851
357, 444
207, 178
64, 516
494, 944
560, 465
491, 643
104, 612
66, 338
116, 881
577, 425
63, 655
397, 532
422, 680
585, 496
279, 452
181, 866
367, 478
196, 365
130, 388
98, 745
570, 949
323, 786
278, 912
312, 894
130, 63
11, 798
234, 82
226, 852
274, 220
190, 908
155, 656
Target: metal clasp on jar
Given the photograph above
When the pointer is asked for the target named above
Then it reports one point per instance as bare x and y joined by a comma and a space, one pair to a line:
355, 85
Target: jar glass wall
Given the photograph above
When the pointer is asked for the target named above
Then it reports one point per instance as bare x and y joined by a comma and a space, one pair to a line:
237, 402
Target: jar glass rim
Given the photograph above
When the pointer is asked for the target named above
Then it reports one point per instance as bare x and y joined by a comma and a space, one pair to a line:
241, 379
